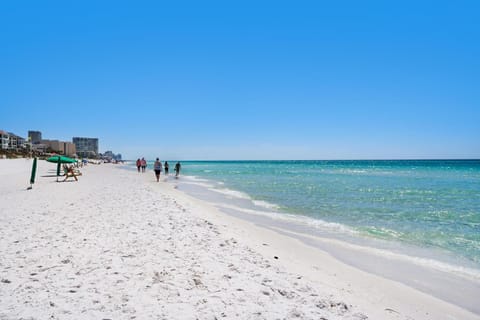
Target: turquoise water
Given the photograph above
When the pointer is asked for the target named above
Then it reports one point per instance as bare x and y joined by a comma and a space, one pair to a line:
432, 204
426, 203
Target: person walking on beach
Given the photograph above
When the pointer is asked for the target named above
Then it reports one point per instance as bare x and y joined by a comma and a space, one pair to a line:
144, 164
166, 168
177, 169
157, 167
139, 164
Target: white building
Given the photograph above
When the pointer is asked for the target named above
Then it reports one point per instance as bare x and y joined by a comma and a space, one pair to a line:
4, 140
15, 142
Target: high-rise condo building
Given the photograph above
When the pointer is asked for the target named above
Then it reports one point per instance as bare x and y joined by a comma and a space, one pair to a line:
86, 147
35, 137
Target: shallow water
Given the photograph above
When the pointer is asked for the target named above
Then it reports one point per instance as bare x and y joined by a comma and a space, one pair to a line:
425, 204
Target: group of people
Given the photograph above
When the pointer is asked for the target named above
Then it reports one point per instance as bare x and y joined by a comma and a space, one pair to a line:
158, 167
141, 164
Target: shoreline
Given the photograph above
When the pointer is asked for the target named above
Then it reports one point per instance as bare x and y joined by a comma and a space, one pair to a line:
435, 280
119, 206
431, 207
242, 205
430, 276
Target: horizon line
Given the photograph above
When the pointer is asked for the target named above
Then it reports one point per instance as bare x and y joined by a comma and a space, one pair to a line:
372, 159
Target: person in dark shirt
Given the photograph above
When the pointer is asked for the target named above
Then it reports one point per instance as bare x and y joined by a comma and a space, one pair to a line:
177, 169
166, 168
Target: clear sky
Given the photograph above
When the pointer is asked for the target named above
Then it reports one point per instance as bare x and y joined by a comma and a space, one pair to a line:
246, 79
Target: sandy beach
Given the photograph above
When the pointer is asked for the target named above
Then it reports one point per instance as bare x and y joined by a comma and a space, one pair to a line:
118, 245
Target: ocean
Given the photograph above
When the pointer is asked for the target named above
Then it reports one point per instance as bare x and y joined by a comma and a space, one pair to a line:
426, 209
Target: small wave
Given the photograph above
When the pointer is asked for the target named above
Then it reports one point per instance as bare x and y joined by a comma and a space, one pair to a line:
200, 184
296, 219
353, 171
464, 272
213, 186
195, 178
382, 232
192, 180
321, 225
231, 193
265, 204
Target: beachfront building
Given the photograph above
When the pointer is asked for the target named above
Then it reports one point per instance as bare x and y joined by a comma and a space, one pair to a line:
16, 142
110, 156
35, 137
62, 147
86, 147
10, 141
39, 148
4, 140
69, 149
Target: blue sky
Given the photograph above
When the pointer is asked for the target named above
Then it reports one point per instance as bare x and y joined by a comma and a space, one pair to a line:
246, 79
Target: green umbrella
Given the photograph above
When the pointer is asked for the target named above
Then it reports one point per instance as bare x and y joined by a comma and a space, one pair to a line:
34, 171
60, 159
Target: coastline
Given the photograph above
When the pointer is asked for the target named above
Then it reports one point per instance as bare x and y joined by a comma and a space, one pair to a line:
125, 232
415, 267
426, 274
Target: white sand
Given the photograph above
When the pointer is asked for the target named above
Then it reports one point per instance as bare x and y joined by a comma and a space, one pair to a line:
118, 245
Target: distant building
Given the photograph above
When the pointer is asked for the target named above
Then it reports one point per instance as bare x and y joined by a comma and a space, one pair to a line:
10, 141
86, 147
54, 145
4, 139
39, 147
109, 155
15, 142
35, 137
70, 149
62, 147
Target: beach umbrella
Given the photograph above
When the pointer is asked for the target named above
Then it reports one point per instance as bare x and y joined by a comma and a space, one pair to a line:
60, 159
34, 171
